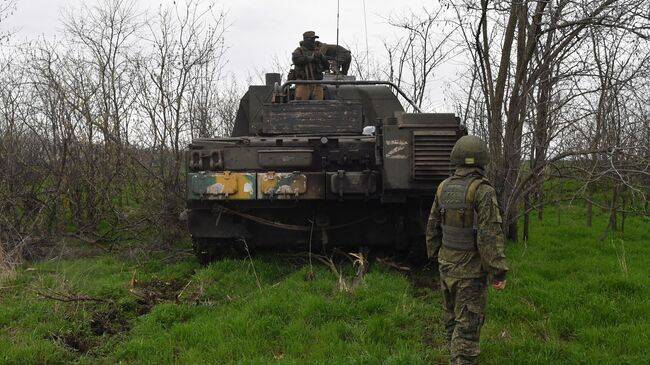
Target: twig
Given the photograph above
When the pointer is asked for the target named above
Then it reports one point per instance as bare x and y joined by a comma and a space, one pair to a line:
362, 267
392, 264
70, 298
248, 253
178, 297
311, 233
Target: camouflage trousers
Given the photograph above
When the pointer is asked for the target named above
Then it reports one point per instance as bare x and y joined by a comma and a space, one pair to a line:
309, 92
463, 304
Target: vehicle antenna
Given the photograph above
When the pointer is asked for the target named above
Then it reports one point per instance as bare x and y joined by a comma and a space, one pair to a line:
365, 24
336, 53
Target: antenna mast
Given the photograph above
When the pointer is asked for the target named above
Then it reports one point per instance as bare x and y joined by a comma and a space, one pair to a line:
338, 2
365, 26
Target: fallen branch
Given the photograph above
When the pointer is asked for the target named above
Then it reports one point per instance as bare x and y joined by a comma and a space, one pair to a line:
392, 264
69, 297
358, 260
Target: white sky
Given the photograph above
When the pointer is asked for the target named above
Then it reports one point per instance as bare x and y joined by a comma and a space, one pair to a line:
259, 29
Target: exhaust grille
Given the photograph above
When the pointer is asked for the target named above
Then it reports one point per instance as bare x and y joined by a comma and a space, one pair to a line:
431, 150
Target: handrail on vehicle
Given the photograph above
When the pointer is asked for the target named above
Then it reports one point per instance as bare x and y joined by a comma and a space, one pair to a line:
345, 82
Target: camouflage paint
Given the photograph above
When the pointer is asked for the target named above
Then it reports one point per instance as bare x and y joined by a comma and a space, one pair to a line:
222, 186
280, 185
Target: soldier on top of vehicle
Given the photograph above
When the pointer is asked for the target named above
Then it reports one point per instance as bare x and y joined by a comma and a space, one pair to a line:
464, 234
311, 59
310, 64
338, 56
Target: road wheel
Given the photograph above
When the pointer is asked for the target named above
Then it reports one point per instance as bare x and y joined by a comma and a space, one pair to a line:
203, 250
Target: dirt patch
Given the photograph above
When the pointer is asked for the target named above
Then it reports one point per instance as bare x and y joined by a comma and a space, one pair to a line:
110, 322
156, 291
87, 334
567, 337
75, 342
106, 319
424, 278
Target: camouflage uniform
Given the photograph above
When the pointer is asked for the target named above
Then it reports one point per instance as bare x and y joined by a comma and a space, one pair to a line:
340, 55
309, 64
464, 272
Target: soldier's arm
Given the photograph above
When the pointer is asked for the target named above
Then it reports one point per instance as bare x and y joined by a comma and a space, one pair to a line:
434, 233
299, 59
332, 50
489, 237
325, 64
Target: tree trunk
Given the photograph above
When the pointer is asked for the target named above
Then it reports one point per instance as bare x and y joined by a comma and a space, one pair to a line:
590, 207
526, 217
540, 202
613, 209
623, 207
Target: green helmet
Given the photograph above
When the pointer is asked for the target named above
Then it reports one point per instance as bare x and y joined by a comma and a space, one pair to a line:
470, 151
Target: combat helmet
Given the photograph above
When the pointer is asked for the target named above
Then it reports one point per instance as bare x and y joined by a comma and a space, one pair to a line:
470, 151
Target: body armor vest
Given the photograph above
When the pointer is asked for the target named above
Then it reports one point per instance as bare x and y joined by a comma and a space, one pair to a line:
456, 197
310, 71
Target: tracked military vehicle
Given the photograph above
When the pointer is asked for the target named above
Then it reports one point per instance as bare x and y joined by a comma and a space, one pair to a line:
352, 170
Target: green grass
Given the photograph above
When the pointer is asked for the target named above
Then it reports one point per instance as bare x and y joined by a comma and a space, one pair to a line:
217, 314
570, 300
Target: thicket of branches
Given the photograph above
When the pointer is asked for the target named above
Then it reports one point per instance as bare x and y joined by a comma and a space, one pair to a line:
92, 125
558, 88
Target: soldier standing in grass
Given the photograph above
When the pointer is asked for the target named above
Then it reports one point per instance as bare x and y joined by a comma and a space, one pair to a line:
310, 63
464, 234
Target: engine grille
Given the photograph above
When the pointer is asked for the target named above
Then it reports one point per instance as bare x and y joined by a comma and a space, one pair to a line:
431, 150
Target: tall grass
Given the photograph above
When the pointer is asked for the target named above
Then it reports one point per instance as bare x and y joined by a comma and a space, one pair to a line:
571, 299
574, 299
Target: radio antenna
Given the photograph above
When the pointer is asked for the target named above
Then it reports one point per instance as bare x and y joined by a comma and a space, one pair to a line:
365, 25
336, 53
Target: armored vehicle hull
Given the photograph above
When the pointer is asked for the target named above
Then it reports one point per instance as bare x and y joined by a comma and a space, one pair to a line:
351, 170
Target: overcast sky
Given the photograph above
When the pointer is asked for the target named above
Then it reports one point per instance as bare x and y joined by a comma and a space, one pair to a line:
259, 29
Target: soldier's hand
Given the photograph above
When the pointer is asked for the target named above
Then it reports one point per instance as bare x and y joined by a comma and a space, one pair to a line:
499, 285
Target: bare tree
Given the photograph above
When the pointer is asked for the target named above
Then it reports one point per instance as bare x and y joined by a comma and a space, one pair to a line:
426, 42
520, 63
176, 82
7, 8
92, 126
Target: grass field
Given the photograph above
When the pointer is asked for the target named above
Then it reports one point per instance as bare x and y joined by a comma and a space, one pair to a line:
571, 299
